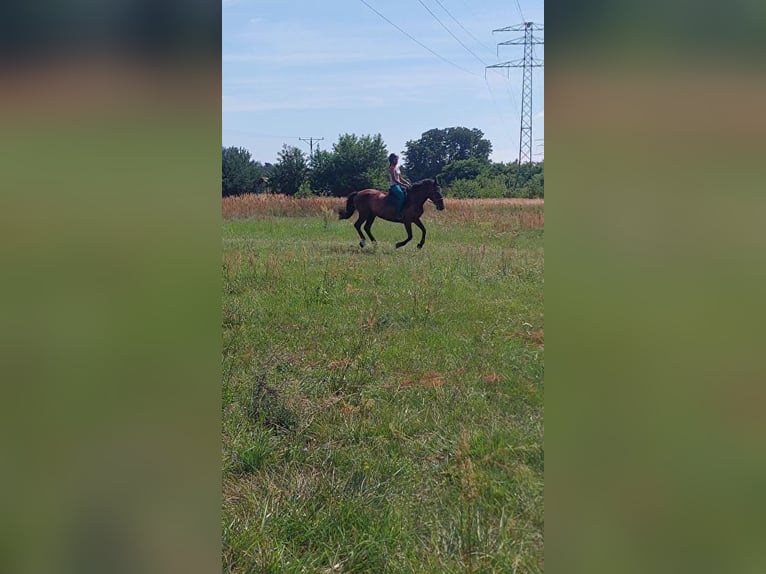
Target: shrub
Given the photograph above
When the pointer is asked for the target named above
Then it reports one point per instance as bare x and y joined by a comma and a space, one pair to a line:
481, 187
305, 190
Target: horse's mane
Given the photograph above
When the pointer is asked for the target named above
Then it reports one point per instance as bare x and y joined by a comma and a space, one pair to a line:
422, 182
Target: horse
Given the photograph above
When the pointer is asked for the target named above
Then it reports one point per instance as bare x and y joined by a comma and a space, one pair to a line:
372, 203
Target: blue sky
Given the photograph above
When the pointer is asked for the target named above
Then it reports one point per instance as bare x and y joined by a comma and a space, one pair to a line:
318, 69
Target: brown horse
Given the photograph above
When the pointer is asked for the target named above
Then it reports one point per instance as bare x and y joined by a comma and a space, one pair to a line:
372, 203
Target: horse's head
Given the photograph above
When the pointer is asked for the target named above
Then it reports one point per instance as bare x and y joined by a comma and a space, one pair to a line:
435, 195
429, 189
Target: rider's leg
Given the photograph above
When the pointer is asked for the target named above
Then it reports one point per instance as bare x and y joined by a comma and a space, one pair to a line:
400, 197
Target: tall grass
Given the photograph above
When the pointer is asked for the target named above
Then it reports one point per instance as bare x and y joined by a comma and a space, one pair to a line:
276, 205
382, 408
501, 213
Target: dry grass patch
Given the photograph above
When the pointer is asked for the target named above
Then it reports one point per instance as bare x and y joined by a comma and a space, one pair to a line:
250, 206
500, 214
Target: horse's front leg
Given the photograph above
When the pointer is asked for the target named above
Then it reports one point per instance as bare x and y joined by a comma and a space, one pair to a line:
423, 230
358, 226
408, 227
368, 227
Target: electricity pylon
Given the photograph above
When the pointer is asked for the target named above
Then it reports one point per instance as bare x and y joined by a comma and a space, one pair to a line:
527, 63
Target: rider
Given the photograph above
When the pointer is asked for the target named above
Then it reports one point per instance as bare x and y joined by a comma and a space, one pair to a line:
397, 185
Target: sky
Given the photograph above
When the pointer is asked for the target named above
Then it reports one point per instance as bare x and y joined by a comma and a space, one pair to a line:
297, 70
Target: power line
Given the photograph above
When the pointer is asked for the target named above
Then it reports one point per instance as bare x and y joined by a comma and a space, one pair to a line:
491, 93
311, 141
451, 63
497, 107
507, 89
458, 39
520, 12
510, 95
450, 33
463, 27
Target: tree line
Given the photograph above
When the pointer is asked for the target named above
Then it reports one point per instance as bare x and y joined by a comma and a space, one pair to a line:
458, 157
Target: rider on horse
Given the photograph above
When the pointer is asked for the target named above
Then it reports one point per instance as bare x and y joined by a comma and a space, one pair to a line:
397, 185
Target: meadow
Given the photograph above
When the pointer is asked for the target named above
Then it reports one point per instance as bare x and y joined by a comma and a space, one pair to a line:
382, 408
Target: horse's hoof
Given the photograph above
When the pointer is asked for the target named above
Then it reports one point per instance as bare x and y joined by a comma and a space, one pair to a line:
361, 244
420, 246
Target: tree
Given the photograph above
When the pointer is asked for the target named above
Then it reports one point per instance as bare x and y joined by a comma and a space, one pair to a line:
238, 173
470, 168
290, 171
354, 163
263, 181
322, 176
428, 156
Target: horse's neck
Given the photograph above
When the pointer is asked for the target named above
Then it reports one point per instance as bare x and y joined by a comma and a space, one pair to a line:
418, 196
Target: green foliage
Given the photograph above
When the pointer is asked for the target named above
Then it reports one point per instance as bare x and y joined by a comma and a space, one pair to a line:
458, 157
493, 181
290, 171
305, 190
240, 174
534, 186
483, 186
531, 181
470, 168
354, 163
436, 148
322, 176
252, 454
464, 189
237, 173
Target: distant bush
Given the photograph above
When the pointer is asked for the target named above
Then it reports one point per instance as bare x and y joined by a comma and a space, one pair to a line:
483, 187
464, 189
305, 190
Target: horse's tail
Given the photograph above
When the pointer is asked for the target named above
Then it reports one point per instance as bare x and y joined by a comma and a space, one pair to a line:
349, 210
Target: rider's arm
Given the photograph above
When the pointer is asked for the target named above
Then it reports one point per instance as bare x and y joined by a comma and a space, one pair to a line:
396, 176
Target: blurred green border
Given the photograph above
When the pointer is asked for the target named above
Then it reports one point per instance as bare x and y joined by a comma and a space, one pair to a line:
654, 274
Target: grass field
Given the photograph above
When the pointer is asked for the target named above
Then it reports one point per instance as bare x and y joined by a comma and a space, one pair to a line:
382, 408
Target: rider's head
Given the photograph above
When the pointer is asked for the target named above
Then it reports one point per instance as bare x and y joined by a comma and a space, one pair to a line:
393, 158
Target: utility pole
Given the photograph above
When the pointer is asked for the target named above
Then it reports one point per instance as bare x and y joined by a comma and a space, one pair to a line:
311, 144
527, 63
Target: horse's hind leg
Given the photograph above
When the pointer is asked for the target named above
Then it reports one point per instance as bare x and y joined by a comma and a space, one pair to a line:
358, 226
423, 230
408, 227
368, 227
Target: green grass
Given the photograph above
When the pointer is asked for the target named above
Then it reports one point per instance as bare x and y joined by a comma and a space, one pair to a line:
382, 408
